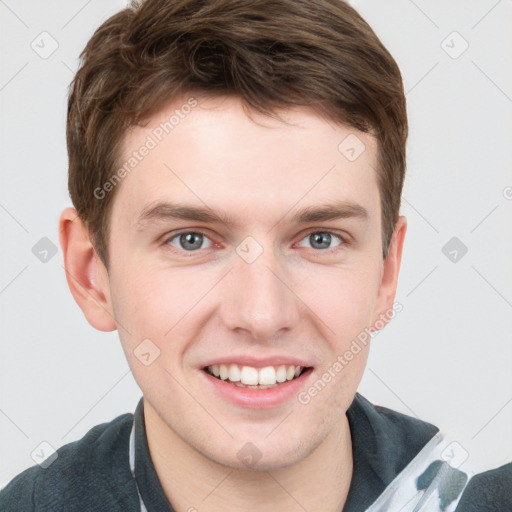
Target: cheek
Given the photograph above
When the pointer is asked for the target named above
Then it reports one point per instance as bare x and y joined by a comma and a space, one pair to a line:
162, 305
343, 300
151, 300
152, 312
143, 305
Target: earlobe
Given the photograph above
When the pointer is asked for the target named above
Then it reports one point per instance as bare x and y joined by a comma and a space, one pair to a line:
391, 267
85, 273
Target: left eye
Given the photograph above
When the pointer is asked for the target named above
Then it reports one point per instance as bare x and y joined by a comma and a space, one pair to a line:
322, 239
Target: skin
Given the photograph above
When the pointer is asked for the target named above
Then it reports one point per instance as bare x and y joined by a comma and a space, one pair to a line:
197, 304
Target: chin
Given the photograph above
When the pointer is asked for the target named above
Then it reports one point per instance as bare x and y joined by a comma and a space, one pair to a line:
260, 453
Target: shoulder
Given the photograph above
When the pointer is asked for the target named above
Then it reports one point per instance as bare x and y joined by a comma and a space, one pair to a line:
83, 472
488, 491
390, 422
389, 442
389, 438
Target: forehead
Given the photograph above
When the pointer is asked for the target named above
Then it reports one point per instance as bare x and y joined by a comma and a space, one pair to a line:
209, 152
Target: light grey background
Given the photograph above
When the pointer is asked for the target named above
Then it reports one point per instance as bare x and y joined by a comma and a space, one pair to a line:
446, 358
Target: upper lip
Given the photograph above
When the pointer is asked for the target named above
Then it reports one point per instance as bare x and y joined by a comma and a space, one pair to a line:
258, 362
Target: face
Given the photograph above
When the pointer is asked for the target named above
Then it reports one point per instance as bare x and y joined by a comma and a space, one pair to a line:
221, 264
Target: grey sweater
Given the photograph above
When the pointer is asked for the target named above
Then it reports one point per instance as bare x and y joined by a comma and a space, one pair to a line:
93, 474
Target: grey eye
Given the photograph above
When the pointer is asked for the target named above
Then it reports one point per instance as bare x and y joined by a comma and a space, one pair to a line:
189, 241
322, 239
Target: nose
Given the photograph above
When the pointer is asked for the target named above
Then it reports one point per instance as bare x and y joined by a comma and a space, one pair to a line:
259, 298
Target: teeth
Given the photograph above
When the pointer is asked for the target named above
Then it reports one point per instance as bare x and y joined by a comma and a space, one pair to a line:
223, 372
267, 376
249, 376
234, 373
281, 374
261, 378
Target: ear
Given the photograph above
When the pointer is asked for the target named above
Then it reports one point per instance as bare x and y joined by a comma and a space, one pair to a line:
86, 274
389, 280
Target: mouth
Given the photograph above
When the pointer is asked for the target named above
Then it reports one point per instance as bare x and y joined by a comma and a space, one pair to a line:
250, 377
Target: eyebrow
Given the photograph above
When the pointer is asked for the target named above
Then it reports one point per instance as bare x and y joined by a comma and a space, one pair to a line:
163, 211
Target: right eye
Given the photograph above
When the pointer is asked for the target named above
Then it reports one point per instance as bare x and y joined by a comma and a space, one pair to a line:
188, 241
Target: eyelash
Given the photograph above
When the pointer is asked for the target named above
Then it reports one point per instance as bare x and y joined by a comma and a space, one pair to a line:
343, 241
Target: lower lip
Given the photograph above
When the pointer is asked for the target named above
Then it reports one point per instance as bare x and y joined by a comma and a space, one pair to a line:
259, 398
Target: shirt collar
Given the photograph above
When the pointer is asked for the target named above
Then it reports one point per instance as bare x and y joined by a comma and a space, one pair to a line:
383, 443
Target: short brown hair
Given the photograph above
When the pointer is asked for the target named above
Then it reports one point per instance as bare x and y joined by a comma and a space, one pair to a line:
270, 53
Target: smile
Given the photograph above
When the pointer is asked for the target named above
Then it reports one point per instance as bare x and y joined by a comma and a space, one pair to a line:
255, 378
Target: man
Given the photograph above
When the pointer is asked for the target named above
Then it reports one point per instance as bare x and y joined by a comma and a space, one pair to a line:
236, 171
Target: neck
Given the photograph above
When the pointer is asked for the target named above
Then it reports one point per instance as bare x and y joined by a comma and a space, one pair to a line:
190, 481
